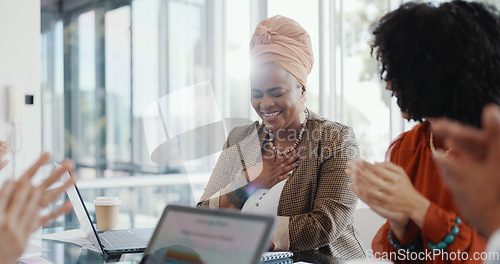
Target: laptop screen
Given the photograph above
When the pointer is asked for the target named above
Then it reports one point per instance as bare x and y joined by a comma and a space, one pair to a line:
81, 211
195, 235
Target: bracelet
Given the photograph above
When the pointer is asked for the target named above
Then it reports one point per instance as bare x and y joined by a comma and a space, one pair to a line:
395, 245
448, 239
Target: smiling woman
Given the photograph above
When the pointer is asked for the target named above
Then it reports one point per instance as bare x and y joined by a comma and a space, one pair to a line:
275, 90
292, 164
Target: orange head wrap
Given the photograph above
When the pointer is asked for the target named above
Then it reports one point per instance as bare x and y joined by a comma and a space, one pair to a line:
284, 42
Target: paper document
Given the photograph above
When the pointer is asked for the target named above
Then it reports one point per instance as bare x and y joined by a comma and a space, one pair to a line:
74, 236
31, 251
34, 260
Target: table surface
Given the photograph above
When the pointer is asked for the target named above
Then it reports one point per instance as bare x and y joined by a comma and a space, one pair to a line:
61, 252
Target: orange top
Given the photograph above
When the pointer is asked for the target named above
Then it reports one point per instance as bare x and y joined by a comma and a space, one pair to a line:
411, 151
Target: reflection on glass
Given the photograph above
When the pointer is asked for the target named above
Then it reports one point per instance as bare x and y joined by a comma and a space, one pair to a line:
192, 130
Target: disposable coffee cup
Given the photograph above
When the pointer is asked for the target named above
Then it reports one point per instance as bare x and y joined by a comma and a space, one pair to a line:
106, 212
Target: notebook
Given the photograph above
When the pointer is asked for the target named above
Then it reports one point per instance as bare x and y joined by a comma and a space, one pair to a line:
110, 242
190, 235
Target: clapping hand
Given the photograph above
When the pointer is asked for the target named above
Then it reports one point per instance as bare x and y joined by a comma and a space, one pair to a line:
20, 206
387, 189
473, 168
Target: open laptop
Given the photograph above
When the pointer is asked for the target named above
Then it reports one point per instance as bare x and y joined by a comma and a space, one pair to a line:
109, 242
200, 235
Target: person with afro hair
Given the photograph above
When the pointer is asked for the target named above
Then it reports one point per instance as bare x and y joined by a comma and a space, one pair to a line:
439, 61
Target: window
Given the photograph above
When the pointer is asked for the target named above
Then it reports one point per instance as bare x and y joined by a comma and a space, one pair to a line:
366, 104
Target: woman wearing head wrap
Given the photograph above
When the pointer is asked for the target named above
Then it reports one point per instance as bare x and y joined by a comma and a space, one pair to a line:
293, 163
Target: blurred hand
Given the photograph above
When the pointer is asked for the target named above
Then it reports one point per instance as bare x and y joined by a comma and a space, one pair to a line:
465, 140
20, 205
273, 169
398, 220
4, 149
472, 169
387, 189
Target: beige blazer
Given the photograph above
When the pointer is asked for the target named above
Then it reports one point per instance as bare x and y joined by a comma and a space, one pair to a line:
316, 197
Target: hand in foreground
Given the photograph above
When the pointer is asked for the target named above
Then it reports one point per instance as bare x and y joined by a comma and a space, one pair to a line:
4, 149
267, 173
273, 169
472, 169
386, 188
20, 205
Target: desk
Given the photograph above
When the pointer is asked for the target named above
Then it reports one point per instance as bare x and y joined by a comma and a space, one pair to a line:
62, 253
66, 253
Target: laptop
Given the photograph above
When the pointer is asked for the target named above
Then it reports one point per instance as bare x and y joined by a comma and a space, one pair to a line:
190, 235
109, 242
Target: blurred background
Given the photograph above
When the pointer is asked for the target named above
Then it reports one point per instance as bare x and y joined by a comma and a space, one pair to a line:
104, 62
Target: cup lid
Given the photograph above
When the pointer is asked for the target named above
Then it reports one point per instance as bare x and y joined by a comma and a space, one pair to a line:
107, 200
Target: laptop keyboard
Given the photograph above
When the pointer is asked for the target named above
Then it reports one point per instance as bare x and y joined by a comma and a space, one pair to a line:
123, 238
